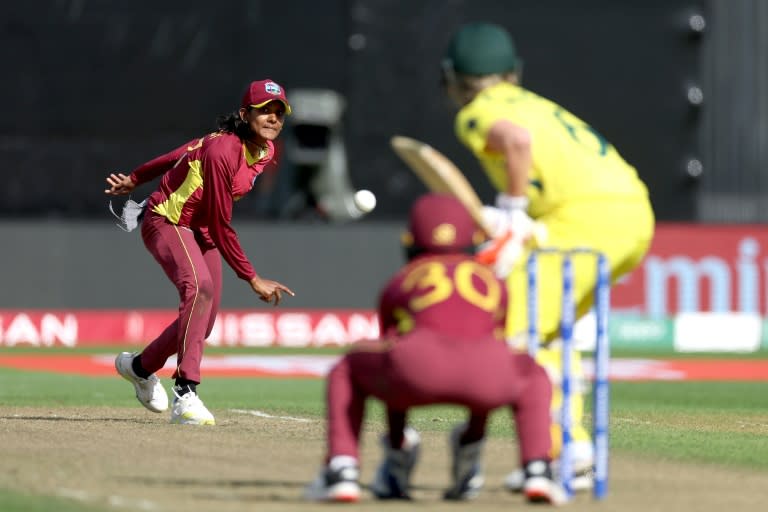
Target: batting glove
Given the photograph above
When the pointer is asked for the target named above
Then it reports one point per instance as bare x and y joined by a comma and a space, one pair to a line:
501, 253
500, 222
512, 230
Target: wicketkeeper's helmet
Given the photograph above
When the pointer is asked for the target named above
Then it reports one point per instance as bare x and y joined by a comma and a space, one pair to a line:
439, 224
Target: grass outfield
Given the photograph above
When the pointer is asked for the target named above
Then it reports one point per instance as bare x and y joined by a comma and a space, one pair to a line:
624, 353
18, 502
718, 423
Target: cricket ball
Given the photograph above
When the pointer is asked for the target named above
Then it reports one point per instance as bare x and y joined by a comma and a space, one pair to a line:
365, 201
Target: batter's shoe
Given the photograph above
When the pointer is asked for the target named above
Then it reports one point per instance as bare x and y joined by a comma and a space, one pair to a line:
149, 391
466, 468
393, 477
337, 484
540, 487
188, 409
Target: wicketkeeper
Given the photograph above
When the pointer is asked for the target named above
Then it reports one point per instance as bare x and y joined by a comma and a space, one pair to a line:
442, 317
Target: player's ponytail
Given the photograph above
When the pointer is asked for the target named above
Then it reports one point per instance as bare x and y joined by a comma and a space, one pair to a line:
231, 123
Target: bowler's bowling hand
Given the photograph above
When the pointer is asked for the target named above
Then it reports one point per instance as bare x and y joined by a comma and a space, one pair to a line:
119, 184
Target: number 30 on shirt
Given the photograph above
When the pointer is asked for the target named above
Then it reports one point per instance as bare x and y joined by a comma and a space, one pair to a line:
431, 283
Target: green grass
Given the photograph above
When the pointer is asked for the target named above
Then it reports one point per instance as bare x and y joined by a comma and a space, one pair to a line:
634, 353
17, 502
709, 422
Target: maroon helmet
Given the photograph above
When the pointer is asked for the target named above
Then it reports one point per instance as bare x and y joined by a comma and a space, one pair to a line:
439, 224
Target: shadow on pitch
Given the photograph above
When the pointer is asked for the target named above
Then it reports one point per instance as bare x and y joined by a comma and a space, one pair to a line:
211, 482
88, 419
245, 490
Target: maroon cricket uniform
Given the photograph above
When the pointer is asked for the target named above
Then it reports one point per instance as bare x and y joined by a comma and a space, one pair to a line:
187, 228
442, 320
447, 295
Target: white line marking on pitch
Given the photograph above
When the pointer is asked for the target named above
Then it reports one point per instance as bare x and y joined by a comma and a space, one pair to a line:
73, 494
261, 414
113, 500
120, 501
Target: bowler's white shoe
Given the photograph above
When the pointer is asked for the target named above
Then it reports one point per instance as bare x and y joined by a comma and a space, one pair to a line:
188, 409
149, 391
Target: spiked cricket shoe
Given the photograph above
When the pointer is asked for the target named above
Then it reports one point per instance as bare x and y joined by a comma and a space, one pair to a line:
188, 409
335, 484
149, 391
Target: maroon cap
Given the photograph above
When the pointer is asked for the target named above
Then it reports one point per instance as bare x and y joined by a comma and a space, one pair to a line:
439, 223
261, 92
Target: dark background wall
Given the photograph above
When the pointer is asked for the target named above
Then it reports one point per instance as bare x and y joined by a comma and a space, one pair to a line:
734, 123
93, 86
82, 264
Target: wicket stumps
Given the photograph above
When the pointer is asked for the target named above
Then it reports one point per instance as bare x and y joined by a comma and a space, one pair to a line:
600, 406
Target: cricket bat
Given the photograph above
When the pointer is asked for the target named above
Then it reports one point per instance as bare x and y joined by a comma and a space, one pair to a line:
440, 175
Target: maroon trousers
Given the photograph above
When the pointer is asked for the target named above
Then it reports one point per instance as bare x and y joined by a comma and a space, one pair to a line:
425, 368
195, 271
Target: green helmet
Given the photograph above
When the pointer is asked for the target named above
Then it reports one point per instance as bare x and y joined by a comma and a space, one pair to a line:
481, 49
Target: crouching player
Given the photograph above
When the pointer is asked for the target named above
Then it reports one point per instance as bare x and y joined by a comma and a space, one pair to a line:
442, 318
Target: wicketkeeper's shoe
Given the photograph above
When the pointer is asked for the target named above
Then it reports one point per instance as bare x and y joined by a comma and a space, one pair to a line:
336, 483
582, 481
188, 409
540, 487
583, 471
149, 391
393, 477
466, 469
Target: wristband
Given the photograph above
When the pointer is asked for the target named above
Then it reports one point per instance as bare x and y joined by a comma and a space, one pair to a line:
510, 203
